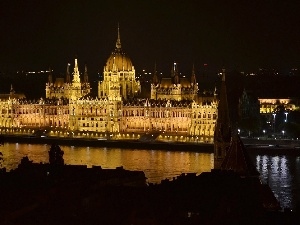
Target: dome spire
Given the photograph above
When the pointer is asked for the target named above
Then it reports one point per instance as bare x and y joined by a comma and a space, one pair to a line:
85, 77
193, 77
118, 43
155, 77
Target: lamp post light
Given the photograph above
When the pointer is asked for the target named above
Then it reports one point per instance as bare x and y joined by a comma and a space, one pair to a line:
264, 131
283, 133
274, 115
286, 113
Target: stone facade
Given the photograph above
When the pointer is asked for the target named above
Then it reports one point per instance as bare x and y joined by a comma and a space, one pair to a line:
172, 109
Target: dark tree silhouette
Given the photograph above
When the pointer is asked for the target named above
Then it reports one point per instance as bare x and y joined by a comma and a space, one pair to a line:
56, 155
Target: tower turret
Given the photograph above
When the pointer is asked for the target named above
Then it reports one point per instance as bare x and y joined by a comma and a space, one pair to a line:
193, 77
85, 76
50, 77
155, 80
12, 91
76, 85
118, 43
68, 77
174, 73
76, 75
118, 75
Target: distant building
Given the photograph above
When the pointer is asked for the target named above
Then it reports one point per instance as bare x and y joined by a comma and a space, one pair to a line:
174, 107
65, 88
269, 105
175, 87
119, 81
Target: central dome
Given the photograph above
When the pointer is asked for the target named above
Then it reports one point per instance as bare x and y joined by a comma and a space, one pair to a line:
118, 60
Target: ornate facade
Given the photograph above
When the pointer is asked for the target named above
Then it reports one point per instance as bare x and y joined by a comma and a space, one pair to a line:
172, 108
119, 80
175, 87
66, 88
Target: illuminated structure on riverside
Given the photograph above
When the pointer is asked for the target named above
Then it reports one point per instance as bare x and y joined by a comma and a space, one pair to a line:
173, 109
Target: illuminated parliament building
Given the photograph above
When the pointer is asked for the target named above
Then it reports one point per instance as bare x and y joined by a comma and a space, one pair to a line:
172, 110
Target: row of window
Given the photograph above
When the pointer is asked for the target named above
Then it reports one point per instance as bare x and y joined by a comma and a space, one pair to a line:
204, 116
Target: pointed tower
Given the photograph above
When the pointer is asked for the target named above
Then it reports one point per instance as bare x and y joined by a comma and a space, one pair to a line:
12, 91
174, 73
85, 76
50, 77
193, 77
49, 84
155, 80
76, 75
215, 92
68, 77
118, 43
238, 160
76, 85
119, 80
154, 84
222, 134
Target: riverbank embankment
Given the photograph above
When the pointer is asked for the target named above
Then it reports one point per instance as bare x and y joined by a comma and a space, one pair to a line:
130, 144
254, 146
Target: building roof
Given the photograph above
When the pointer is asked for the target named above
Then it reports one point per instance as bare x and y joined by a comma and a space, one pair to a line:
121, 61
59, 82
118, 60
11, 96
166, 82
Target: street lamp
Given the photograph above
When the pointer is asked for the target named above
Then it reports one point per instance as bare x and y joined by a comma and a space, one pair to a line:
283, 134
274, 115
264, 131
286, 113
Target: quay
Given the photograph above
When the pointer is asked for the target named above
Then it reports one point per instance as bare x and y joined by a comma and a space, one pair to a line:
130, 144
253, 146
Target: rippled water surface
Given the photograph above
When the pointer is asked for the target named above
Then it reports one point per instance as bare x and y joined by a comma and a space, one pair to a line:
281, 172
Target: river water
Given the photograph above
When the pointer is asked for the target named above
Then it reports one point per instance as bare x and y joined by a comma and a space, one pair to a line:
282, 172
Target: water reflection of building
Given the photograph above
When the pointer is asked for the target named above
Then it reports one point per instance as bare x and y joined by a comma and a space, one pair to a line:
277, 171
173, 107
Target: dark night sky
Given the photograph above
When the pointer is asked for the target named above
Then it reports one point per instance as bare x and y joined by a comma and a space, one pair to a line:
242, 35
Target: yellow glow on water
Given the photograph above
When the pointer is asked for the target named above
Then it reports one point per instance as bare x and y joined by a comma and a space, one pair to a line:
157, 164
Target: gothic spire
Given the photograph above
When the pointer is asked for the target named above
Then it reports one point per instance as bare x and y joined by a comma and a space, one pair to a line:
174, 73
68, 78
223, 111
12, 91
193, 77
155, 77
76, 75
215, 91
222, 130
118, 43
85, 76
238, 160
50, 76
